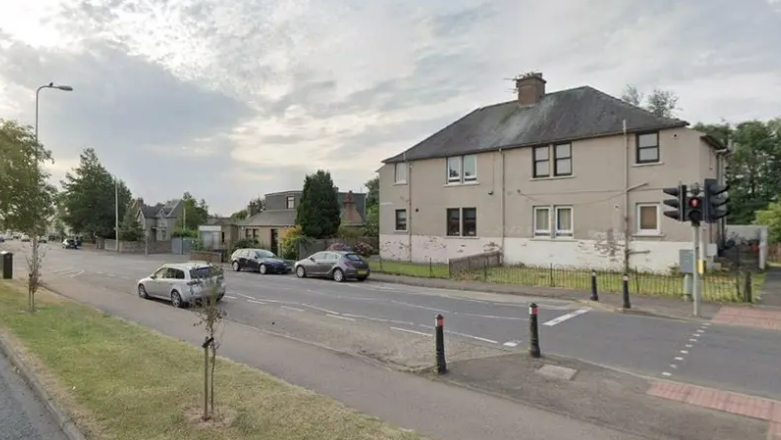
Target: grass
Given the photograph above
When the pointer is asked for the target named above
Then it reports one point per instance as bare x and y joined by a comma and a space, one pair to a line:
124, 382
716, 287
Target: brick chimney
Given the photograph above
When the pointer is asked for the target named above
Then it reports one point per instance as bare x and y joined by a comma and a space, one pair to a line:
140, 201
350, 214
530, 88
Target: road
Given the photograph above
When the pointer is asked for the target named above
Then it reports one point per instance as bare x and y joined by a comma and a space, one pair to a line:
738, 359
23, 416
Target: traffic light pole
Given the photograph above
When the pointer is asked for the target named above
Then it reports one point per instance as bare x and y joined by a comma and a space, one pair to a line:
696, 275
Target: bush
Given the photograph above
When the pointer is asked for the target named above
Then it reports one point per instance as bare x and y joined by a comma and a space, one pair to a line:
363, 249
337, 246
288, 246
349, 232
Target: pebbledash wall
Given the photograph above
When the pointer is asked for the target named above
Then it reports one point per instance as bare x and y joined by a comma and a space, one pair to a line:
605, 251
138, 247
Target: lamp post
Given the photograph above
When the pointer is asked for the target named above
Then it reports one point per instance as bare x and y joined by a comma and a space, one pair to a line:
116, 212
37, 96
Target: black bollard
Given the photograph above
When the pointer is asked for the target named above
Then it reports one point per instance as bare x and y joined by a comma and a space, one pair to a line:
594, 294
625, 291
534, 340
440, 344
747, 294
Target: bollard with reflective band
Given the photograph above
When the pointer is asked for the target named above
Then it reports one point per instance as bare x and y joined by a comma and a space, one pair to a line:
534, 332
594, 294
439, 328
625, 292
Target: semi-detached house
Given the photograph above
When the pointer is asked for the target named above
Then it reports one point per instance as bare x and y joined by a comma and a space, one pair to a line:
571, 178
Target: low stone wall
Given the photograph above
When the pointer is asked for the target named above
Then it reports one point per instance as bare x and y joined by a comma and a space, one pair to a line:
211, 257
138, 247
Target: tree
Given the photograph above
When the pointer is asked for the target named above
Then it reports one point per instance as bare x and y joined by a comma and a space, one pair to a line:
373, 189
319, 213
88, 197
662, 103
210, 316
253, 207
771, 217
130, 229
193, 214
26, 199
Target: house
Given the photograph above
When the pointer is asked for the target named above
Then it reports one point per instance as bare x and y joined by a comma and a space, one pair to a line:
279, 214
159, 221
219, 233
571, 178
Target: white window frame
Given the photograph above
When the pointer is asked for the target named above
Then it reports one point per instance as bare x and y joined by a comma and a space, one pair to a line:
638, 219
463, 174
538, 232
396, 220
456, 160
399, 167
563, 232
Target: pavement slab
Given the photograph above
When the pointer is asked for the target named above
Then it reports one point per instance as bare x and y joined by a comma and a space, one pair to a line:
769, 319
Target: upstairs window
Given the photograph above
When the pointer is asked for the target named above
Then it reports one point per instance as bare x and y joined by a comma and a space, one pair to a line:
541, 161
647, 148
562, 154
400, 173
462, 169
290, 202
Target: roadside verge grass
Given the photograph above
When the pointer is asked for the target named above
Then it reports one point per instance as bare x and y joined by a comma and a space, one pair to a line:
121, 381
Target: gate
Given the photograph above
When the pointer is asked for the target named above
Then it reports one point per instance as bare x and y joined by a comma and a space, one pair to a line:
181, 246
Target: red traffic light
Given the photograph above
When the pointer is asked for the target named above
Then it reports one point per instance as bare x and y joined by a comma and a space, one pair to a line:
694, 203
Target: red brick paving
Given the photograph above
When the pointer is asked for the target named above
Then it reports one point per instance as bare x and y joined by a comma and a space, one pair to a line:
749, 317
739, 404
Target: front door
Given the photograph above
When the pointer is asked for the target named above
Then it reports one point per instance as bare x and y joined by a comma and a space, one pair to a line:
274, 241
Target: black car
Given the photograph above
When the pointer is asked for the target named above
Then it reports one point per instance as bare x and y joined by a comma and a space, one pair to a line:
259, 260
337, 265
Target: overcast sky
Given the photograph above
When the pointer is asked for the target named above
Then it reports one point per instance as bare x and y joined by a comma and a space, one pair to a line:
231, 99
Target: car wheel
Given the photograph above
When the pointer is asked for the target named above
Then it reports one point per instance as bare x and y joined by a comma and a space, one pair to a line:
142, 291
262, 269
338, 275
301, 272
236, 266
176, 300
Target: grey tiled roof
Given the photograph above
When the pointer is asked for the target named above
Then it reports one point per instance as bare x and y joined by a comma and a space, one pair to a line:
565, 115
281, 217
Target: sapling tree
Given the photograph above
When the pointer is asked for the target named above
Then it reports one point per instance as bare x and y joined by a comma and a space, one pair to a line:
210, 316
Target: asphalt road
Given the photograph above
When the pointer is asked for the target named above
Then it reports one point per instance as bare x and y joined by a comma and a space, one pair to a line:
22, 416
738, 359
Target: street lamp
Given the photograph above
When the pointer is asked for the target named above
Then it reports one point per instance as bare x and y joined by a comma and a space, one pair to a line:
37, 94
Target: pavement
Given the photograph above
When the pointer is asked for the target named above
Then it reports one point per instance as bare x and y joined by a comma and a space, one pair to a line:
23, 416
391, 323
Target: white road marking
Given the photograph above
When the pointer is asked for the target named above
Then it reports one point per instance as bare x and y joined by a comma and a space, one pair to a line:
666, 374
410, 331
700, 331
478, 338
673, 366
245, 296
341, 317
230, 297
684, 352
689, 346
563, 318
678, 358
512, 343
707, 324
293, 308
369, 318
319, 308
255, 302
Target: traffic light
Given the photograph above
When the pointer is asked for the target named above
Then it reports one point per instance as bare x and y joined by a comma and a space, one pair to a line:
715, 201
679, 202
694, 214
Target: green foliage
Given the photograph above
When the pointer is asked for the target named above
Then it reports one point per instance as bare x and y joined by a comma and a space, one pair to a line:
130, 229
184, 233
88, 197
194, 213
246, 243
371, 227
662, 103
771, 217
26, 199
239, 215
348, 232
373, 192
319, 213
288, 245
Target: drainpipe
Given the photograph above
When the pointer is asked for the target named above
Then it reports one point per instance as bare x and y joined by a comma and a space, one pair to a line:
627, 250
501, 202
409, 208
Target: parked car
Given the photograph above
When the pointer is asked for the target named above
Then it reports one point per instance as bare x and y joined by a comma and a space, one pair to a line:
25, 238
337, 265
43, 240
183, 283
70, 243
259, 260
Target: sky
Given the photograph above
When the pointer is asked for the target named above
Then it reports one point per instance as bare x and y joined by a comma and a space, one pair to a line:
233, 99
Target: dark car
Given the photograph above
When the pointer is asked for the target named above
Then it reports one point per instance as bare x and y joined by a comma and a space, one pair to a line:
337, 265
259, 260
70, 243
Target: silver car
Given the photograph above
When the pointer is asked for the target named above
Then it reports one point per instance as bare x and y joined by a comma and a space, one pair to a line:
183, 283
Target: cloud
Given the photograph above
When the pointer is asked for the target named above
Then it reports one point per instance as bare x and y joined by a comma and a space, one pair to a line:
228, 101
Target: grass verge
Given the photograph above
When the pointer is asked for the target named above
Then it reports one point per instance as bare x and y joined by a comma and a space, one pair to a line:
716, 287
122, 381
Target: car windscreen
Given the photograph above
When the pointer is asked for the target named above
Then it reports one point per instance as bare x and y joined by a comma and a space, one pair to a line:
204, 272
353, 257
265, 254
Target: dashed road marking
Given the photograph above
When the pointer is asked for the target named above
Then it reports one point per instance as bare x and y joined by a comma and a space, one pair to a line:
684, 352
319, 309
678, 358
295, 309
255, 302
245, 296
410, 331
563, 318
346, 318
477, 338
512, 343
230, 297
666, 374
